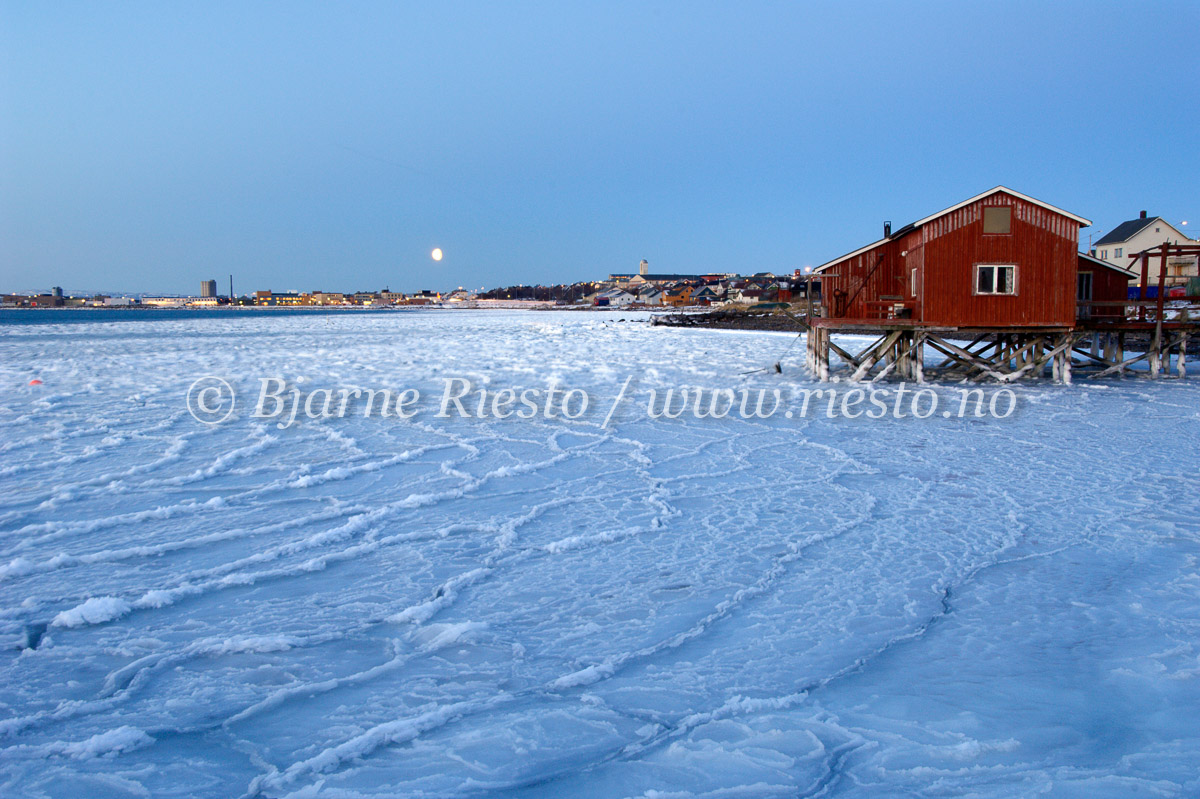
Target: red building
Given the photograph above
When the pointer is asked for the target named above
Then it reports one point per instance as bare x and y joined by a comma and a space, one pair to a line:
1104, 283
1000, 259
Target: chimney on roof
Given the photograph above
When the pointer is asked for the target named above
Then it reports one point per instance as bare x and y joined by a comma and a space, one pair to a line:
1143, 215
887, 230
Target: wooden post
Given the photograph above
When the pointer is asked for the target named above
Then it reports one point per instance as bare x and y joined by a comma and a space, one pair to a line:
883, 348
1157, 345
816, 343
1162, 280
1181, 361
1155, 353
1142, 287
918, 356
1064, 371
1120, 352
823, 356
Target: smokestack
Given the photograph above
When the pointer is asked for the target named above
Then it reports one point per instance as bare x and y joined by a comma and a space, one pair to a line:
887, 230
1143, 215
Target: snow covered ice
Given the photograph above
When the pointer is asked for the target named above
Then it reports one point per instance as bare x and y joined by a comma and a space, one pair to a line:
552, 608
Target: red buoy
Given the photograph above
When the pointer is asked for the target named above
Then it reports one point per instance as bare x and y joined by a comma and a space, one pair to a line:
35, 382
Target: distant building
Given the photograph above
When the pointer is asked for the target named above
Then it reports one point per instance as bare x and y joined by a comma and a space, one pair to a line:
650, 294
56, 292
613, 298
208, 288
1130, 238
288, 298
635, 282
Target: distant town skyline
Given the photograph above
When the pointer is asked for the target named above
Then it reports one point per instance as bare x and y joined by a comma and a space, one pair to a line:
145, 147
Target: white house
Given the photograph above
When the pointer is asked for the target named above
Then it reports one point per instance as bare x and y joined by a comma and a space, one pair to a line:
614, 298
1143, 233
650, 294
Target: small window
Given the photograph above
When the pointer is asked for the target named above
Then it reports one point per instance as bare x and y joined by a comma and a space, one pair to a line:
914, 283
1104, 255
997, 220
995, 279
1117, 252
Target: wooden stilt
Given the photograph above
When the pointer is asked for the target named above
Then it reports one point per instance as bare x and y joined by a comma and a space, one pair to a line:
885, 349
823, 357
1181, 361
918, 356
1064, 372
1155, 353
1091, 350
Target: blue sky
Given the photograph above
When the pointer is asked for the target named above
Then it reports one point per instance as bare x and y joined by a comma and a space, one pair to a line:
144, 147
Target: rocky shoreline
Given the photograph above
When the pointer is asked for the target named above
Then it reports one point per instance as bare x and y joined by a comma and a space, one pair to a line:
734, 319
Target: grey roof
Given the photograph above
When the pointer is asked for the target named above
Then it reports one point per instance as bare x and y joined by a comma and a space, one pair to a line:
1126, 231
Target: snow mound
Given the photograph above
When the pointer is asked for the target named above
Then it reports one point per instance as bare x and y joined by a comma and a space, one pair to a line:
437, 636
106, 744
96, 610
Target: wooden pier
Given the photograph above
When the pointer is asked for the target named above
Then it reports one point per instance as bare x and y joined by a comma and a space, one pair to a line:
917, 352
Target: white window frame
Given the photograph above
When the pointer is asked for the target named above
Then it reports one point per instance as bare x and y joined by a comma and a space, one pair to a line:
1117, 252
995, 267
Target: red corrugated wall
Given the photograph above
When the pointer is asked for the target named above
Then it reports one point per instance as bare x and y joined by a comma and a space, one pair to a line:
1042, 244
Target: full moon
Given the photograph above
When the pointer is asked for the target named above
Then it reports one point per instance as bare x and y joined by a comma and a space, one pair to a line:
436, 254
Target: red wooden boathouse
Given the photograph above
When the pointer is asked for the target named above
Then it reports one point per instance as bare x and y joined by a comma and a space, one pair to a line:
1002, 272
999, 259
